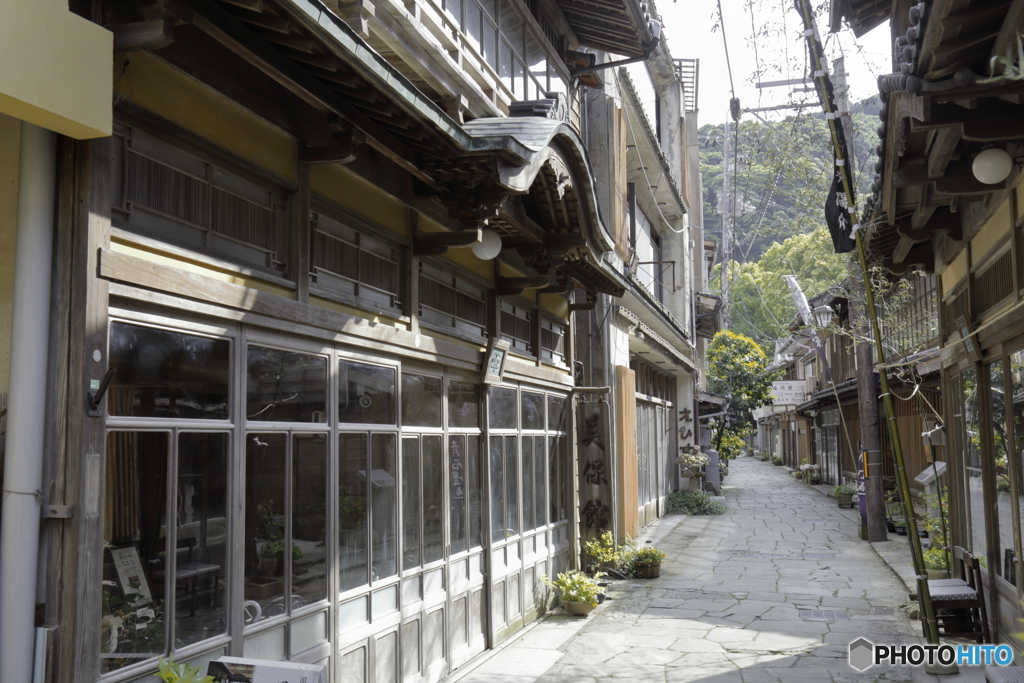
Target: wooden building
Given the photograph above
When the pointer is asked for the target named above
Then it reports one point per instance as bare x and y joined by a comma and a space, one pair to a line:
947, 198
306, 298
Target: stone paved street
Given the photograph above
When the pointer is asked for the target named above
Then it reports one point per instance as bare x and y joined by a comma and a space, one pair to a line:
727, 606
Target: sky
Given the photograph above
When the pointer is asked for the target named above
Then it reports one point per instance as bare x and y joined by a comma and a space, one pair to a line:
778, 48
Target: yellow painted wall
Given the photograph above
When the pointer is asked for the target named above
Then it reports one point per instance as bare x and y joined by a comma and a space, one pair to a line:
991, 233
356, 312
348, 190
955, 272
553, 303
155, 86
10, 138
56, 68
192, 266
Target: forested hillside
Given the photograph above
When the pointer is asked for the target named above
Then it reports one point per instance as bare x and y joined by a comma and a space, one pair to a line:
783, 176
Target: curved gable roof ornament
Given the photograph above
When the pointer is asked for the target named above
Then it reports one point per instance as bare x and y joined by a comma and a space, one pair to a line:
535, 155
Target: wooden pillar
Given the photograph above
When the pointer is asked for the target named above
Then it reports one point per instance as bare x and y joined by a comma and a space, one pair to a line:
76, 479
625, 450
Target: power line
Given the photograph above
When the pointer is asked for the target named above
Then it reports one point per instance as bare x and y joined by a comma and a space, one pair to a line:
725, 44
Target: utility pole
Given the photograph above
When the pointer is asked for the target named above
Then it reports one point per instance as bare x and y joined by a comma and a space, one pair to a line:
727, 210
867, 399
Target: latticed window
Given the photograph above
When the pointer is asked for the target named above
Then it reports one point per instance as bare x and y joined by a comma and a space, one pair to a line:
448, 301
349, 262
517, 326
552, 341
166, 193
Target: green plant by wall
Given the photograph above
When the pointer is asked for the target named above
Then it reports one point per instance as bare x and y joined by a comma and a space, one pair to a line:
170, 672
693, 503
574, 586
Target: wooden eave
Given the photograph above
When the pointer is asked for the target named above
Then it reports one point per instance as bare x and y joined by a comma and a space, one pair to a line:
616, 26
304, 70
929, 199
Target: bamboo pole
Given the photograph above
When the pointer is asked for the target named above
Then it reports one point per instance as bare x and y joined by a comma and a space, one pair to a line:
917, 554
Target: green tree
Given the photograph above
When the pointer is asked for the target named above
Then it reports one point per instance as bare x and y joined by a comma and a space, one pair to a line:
761, 306
737, 370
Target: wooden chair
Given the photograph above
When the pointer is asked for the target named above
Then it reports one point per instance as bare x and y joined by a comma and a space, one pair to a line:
960, 609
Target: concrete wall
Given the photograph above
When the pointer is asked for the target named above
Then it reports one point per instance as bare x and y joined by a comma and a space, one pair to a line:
10, 138
56, 71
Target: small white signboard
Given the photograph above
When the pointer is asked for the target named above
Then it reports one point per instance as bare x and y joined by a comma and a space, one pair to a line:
245, 670
789, 391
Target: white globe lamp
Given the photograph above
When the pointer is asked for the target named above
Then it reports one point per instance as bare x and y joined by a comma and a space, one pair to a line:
489, 245
992, 166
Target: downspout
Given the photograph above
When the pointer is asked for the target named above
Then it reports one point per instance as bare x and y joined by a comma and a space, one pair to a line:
23, 470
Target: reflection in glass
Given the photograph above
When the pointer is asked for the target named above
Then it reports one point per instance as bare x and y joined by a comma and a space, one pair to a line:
132, 624
421, 401
352, 507
309, 504
540, 472
533, 410
1017, 407
433, 499
475, 491
528, 481
410, 503
497, 489
463, 405
997, 391
167, 374
972, 463
556, 413
285, 386
457, 498
556, 450
511, 486
265, 467
501, 408
367, 394
383, 504
200, 574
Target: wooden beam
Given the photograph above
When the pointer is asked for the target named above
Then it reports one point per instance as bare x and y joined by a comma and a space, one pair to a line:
235, 36
978, 14
943, 146
946, 114
510, 286
438, 243
912, 172
959, 180
902, 249
994, 131
330, 154
965, 42
143, 35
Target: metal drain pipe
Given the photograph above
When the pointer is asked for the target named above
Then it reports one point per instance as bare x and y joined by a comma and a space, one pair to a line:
26, 413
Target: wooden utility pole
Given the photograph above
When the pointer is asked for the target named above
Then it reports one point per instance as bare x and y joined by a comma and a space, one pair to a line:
867, 397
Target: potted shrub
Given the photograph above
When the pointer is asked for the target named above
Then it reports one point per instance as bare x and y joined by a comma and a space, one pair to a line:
647, 562
936, 563
844, 495
776, 460
797, 474
576, 591
272, 553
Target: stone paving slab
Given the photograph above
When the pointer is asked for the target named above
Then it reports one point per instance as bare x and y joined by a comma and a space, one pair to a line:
727, 606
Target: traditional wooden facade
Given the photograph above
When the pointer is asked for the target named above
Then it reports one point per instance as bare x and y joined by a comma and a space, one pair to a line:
295, 409
953, 97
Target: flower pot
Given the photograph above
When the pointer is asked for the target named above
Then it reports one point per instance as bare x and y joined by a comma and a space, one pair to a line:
890, 526
845, 501
901, 530
580, 609
601, 598
268, 565
647, 571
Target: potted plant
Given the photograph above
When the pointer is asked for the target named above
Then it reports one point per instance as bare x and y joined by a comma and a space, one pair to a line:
776, 460
844, 495
692, 463
936, 563
647, 562
576, 591
272, 553
797, 474
170, 672
352, 511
